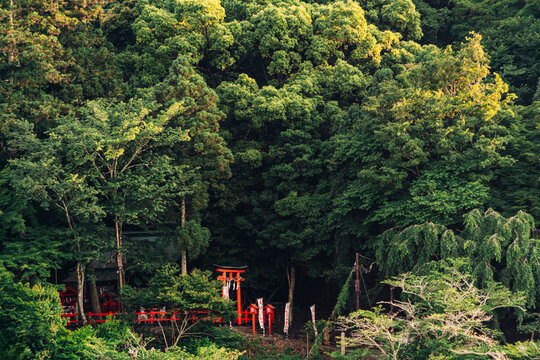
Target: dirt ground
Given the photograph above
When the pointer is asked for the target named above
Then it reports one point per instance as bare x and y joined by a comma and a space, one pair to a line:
281, 344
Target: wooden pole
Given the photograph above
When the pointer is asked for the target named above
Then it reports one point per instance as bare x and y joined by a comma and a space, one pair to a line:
183, 225
342, 343
119, 258
357, 282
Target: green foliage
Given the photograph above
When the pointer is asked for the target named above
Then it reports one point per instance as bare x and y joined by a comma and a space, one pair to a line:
190, 299
163, 30
340, 125
499, 22
422, 146
113, 143
442, 315
30, 318
501, 249
53, 58
117, 341
204, 158
257, 350
435, 21
523, 350
310, 331
463, 135
85, 343
192, 107
351, 355
399, 16
514, 189
193, 292
30, 251
48, 172
211, 352
221, 336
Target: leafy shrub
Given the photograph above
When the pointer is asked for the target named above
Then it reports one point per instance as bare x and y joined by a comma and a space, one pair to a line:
184, 293
29, 318
112, 340
220, 336
351, 355
523, 350
211, 352
442, 315
115, 340
256, 350
310, 331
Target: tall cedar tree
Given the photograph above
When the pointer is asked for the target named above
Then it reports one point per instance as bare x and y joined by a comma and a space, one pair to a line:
192, 106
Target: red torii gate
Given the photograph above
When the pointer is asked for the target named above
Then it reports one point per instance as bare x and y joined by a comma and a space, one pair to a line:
231, 273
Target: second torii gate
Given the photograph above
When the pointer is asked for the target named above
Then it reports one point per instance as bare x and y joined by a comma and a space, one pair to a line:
232, 274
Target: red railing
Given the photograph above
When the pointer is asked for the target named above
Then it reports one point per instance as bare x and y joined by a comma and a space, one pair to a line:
158, 316
71, 321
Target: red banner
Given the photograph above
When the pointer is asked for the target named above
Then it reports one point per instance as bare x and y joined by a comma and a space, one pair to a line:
261, 312
313, 319
286, 322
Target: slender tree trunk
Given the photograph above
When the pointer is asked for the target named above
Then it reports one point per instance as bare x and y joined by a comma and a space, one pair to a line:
80, 268
11, 14
391, 299
11, 51
357, 282
183, 224
291, 279
92, 290
119, 259
80, 292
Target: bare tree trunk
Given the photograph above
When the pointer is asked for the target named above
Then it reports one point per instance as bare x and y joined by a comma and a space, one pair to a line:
80, 292
11, 51
92, 290
183, 224
119, 259
291, 279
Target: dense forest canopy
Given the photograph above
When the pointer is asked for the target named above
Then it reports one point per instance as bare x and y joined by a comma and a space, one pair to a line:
283, 135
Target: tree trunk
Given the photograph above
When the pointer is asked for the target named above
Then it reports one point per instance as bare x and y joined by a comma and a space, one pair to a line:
291, 279
183, 224
92, 290
80, 292
11, 50
119, 259
391, 299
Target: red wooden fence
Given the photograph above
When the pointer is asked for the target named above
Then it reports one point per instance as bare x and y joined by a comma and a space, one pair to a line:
160, 316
